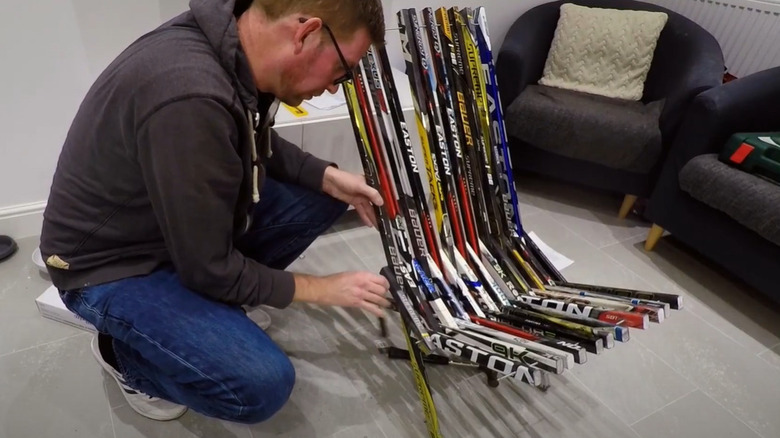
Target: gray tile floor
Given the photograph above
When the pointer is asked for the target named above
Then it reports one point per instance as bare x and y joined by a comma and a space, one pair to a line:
710, 370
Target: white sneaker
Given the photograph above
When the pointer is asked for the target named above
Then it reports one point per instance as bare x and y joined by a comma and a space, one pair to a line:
260, 317
148, 406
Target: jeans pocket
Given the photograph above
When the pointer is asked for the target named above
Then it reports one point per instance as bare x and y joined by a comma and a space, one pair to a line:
69, 297
76, 301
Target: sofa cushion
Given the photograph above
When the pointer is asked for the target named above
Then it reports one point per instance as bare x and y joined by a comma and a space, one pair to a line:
603, 51
750, 200
612, 132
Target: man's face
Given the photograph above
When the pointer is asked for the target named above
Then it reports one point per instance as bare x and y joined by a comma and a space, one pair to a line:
317, 66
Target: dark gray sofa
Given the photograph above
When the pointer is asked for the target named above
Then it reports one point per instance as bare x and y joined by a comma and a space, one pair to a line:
729, 216
574, 126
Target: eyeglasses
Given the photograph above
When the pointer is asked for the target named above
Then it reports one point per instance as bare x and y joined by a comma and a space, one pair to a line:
347, 70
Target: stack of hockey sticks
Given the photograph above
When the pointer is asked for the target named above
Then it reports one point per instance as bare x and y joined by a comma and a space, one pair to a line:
469, 284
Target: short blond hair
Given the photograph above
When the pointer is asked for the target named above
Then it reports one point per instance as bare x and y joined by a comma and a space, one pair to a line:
344, 17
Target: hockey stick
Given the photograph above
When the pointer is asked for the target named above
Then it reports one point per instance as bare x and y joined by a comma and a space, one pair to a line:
409, 317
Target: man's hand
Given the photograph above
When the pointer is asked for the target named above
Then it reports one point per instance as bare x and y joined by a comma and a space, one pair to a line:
349, 289
352, 189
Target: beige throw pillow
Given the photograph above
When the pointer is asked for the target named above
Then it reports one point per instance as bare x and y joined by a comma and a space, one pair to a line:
603, 51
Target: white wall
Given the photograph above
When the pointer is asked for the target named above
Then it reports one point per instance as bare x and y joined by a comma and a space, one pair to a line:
52, 51
747, 30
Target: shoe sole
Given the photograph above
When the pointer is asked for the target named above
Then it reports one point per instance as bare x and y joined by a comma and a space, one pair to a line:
113, 373
259, 317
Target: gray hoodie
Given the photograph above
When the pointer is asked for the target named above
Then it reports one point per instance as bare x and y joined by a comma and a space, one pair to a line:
161, 162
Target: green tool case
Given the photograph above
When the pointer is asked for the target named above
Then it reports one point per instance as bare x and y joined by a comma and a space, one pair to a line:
754, 152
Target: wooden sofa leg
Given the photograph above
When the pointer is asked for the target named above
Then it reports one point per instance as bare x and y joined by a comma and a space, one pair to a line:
628, 202
653, 237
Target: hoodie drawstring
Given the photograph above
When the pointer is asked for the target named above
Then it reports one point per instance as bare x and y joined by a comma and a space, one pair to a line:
255, 170
254, 122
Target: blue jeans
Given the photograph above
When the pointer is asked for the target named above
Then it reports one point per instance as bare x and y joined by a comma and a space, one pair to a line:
173, 343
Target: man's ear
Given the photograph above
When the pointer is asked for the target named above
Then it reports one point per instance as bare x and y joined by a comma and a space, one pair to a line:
304, 29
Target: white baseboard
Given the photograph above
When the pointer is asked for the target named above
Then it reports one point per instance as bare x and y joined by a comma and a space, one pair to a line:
24, 220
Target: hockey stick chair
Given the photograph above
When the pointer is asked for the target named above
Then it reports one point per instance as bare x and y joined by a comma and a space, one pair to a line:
596, 141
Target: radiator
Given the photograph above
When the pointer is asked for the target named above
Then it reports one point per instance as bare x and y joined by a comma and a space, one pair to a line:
748, 30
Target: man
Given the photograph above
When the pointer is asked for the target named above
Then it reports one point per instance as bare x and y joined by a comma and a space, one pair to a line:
161, 223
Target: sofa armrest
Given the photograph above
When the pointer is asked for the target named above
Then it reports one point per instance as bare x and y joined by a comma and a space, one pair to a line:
697, 77
688, 61
522, 56
749, 104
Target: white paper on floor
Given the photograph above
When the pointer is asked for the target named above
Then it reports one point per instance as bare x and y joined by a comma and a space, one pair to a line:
327, 101
558, 260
